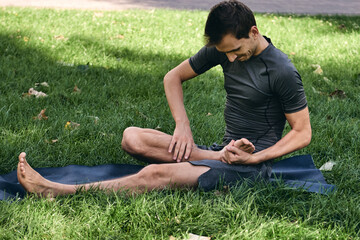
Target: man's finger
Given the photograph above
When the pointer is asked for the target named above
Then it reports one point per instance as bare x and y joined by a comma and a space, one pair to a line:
188, 151
234, 150
172, 144
181, 153
176, 151
227, 157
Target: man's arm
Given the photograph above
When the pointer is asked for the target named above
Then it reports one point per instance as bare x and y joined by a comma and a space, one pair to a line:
182, 141
298, 137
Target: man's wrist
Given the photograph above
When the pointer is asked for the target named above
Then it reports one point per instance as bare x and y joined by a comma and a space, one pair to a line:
182, 122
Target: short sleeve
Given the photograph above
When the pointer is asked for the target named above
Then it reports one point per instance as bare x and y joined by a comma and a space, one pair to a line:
205, 59
289, 88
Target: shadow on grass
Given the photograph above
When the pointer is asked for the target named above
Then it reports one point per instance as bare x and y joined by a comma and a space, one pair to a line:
131, 93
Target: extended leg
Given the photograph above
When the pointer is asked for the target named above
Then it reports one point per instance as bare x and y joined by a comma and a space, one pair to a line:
155, 176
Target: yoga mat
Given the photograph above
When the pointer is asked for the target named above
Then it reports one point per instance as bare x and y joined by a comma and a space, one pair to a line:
296, 172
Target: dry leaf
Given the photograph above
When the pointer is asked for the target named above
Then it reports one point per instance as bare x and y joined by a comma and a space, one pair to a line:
197, 237
44, 84
41, 115
26, 95
292, 53
52, 141
119, 36
328, 166
209, 114
76, 89
318, 69
26, 39
71, 125
338, 93
60, 37
37, 94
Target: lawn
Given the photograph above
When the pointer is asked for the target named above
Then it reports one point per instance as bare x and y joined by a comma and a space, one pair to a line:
103, 72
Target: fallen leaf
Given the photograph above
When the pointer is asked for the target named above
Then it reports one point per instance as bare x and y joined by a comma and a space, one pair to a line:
338, 93
26, 95
292, 53
71, 125
52, 141
119, 36
328, 166
26, 39
209, 114
44, 84
158, 127
197, 237
318, 69
60, 37
37, 94
76, 89
41, 115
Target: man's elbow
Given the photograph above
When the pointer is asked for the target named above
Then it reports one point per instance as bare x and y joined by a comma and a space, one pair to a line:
166, 78
170, 77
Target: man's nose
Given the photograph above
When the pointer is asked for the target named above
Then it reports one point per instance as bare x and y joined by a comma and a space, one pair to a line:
231, 56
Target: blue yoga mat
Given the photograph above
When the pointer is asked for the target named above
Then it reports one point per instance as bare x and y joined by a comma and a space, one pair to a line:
295, 172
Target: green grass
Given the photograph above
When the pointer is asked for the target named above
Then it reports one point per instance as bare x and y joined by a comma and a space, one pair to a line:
118, 60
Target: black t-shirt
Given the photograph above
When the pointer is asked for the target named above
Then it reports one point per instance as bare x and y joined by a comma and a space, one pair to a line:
259, 92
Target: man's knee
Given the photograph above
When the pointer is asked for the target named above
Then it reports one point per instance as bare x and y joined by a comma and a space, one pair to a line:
131, 141
154, 176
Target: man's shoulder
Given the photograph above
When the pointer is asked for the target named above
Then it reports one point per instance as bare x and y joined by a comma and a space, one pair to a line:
278, 61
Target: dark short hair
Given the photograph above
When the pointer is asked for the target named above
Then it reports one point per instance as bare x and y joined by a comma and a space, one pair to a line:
228, 17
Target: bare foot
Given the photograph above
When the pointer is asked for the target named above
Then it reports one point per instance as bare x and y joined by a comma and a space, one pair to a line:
245, 145
32, 181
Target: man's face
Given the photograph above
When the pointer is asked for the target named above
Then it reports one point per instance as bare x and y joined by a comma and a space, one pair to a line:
238, 49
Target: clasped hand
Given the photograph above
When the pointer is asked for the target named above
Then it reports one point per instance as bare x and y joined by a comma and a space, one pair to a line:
238, 152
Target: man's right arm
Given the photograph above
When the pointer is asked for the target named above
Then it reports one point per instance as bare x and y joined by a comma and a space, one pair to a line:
182, 141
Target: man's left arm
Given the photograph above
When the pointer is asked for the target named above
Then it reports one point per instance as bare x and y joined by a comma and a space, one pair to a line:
298, 137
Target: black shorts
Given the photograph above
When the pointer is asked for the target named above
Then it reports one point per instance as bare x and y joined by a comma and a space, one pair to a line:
223, 174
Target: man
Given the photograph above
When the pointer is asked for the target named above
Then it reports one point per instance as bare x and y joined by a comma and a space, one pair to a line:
263, 91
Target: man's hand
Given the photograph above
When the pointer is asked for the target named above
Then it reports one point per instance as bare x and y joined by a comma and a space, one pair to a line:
238, 152
181, 143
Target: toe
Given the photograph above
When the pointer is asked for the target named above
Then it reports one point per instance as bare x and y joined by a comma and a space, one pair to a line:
22, 156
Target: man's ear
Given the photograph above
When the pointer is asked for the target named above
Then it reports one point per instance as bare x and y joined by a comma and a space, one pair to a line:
254, 32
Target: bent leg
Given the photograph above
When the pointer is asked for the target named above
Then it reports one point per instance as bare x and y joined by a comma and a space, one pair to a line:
150, 145
152, 177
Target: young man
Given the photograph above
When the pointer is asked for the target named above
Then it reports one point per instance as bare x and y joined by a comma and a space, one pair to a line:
263, 91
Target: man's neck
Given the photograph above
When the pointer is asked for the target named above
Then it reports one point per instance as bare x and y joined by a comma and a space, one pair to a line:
262, 45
